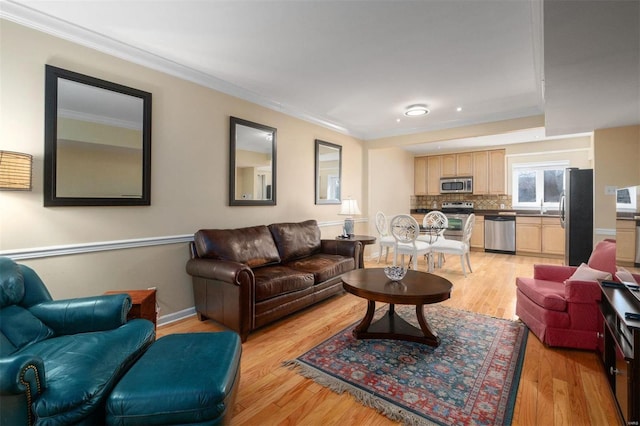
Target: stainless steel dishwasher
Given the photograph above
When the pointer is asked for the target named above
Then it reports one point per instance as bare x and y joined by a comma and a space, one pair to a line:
500, 234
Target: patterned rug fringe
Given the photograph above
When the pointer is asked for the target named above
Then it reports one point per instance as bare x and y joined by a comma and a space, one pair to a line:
386, 408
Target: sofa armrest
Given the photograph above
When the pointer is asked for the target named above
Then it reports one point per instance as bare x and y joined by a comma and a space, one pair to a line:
22, 380
85, 314
219, 270
557, 273
577, 291
343, 248
224, 291
21, 373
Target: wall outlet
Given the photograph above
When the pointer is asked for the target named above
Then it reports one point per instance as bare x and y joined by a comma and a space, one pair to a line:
610, 190
501, 206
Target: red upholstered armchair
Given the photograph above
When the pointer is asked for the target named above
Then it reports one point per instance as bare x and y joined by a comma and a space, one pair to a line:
561, 311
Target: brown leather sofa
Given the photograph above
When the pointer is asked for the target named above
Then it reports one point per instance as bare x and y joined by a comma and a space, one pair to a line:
246, 278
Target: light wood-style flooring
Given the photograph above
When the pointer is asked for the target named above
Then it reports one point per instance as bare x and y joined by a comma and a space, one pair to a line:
557, 386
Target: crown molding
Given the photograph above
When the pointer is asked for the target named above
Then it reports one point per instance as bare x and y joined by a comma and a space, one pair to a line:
42, 22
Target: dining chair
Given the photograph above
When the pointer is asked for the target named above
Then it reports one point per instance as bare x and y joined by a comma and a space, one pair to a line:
434, 224
459, 248
405, 230
385, 239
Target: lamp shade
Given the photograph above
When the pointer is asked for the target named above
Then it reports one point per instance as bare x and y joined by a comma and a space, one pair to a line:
349, 207
15, 171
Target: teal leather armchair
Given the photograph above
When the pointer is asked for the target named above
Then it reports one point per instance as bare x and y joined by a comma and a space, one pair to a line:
60, 359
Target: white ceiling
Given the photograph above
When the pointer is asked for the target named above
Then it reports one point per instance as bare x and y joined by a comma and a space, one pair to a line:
353, 66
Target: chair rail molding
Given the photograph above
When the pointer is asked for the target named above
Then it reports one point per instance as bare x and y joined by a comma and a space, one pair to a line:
63, 250
81, 248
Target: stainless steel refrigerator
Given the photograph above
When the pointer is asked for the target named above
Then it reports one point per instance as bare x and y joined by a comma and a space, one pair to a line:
576, 215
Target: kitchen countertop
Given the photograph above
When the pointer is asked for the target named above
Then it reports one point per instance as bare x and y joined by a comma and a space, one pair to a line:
521, 213
518, 213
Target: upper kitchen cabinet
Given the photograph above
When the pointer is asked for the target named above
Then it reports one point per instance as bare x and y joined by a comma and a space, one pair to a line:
481, 172
454, 165
449, 168
420, 175
497, 169
434, 173
489, 172
486, 167
464, 164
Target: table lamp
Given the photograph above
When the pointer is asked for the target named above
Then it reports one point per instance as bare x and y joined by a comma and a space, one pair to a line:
349, 208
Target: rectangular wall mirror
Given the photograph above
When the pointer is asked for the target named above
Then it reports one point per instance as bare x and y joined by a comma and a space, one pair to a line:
97, 142
252, 164
328, 172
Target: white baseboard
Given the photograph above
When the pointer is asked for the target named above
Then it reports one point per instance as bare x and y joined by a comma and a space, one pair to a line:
177, 316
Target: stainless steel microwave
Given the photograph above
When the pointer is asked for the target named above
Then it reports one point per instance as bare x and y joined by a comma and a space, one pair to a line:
459, 185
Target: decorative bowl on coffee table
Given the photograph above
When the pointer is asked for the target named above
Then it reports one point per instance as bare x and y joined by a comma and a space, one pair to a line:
395, 273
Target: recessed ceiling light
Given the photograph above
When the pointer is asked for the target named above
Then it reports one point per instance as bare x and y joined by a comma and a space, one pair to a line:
416, 110
459, 109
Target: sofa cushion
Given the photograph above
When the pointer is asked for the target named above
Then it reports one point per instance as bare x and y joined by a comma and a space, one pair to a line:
276, 280
623, 275
82, 369
21, 328
585, 273
547, 294
253, 246
603, 257
323, 266
296, 240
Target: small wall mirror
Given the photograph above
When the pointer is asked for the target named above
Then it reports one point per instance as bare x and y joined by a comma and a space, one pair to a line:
252, 164
328, 173
97, 142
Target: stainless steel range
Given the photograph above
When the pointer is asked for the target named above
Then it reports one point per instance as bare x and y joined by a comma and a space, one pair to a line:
457, 213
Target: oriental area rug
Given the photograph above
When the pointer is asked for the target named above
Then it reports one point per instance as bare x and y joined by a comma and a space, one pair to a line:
470, 379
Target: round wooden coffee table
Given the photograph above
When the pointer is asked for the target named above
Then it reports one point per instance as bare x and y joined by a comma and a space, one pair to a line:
416, 288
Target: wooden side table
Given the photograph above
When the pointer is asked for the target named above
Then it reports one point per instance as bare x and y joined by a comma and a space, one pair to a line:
143, 304
364, 239
620, 311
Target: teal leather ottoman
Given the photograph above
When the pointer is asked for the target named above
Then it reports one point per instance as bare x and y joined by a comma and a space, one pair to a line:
187, 379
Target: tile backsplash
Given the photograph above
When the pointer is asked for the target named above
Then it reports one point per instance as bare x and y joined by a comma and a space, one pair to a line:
480, 202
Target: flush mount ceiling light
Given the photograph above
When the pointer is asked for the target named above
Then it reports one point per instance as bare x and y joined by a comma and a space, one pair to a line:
416, 110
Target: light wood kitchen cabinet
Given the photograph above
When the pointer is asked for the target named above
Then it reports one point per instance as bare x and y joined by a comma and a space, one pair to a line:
420, 175
553, 236
464, 164
481, 172
477, 235
486, 167
625, 242
497, 167
449, 165
540, 236
434, 168
528, 235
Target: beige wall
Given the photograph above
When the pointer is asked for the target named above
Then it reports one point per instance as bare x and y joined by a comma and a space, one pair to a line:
617, 164
390, 180
189, 179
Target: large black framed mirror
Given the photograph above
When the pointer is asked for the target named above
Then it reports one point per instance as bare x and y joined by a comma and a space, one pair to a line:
328, 177
97, 142
252, 164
